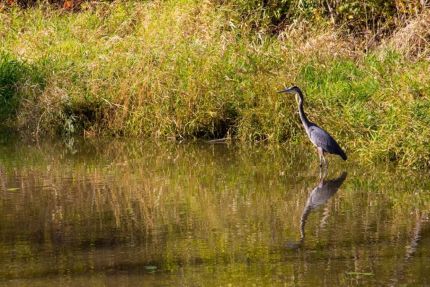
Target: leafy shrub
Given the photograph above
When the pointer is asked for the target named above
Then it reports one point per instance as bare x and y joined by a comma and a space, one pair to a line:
357, 16
16, 79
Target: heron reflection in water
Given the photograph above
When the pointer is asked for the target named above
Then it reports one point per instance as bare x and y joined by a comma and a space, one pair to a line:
318, 196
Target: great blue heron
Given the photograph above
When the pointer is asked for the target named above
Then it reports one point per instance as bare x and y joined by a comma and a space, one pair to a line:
324, 142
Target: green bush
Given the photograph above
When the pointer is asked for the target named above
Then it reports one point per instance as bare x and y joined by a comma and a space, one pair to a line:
17, 81
357, 16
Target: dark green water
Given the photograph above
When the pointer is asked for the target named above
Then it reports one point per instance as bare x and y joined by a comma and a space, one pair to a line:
131, 214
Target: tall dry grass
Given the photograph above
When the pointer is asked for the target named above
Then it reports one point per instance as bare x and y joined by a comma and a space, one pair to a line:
192, 69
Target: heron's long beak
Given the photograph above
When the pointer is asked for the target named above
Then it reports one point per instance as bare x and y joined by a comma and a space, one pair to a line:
285, 90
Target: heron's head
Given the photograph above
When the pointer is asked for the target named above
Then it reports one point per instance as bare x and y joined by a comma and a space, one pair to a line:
290, 90
293, 90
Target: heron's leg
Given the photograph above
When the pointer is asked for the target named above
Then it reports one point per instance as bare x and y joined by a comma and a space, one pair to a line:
324, 168
325, 161
321, 156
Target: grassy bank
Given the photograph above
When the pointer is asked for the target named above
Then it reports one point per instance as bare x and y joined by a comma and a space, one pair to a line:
193, 69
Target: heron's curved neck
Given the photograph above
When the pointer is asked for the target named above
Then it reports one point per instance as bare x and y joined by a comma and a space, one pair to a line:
303, 117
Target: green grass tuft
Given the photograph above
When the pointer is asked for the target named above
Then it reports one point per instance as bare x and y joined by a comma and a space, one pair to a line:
18, 81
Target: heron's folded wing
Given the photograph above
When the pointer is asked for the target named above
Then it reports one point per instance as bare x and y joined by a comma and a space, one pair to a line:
324, 140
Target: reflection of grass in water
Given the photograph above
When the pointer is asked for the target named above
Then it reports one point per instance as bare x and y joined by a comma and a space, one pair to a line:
188, 205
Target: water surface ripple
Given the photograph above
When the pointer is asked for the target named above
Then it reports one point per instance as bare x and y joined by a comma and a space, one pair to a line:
115, 213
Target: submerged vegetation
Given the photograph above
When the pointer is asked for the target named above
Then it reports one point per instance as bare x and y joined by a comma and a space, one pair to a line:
211, 69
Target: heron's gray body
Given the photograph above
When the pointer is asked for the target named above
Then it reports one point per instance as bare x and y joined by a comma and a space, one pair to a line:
322, 139
324, 142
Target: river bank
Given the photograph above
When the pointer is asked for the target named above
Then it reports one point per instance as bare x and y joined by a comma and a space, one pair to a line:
192, 69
